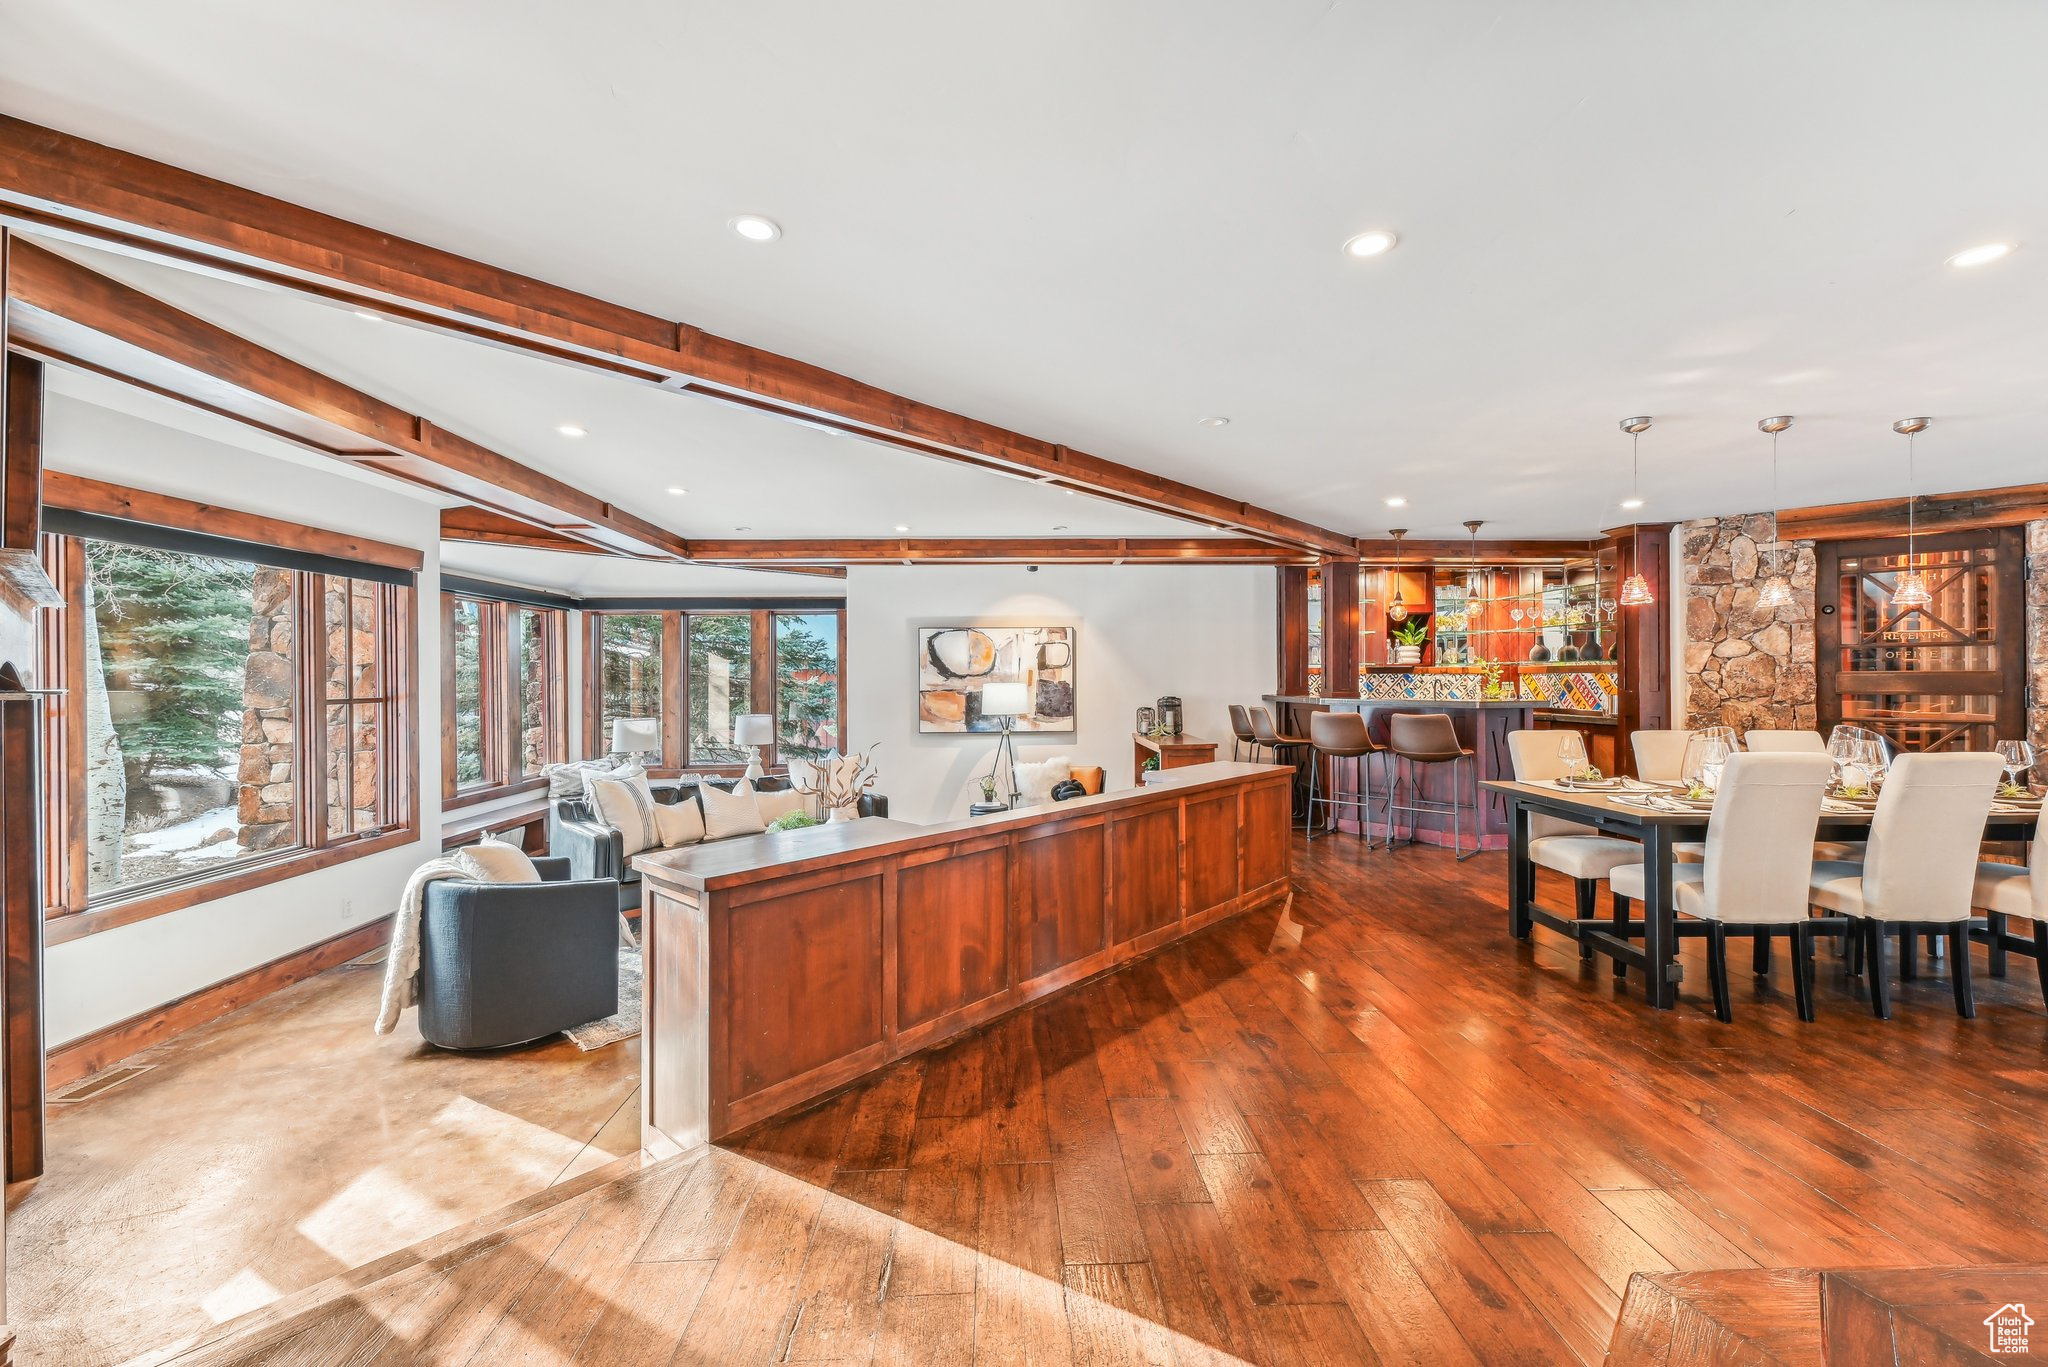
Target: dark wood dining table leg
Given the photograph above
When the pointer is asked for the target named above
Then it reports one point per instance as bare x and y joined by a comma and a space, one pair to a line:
1660, 928
1521, 873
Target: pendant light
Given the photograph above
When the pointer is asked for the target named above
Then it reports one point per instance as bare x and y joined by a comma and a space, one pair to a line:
1397, 610
1635, 590
1475, 580
1909, 590
1777, 591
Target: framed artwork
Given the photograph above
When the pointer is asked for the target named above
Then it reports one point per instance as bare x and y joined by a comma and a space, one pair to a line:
954, 664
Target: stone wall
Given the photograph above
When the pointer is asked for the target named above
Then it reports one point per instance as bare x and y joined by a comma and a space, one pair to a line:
1746, 665
264, 808
2037, 638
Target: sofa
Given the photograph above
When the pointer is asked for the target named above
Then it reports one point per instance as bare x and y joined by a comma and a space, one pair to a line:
594, 850
507, 963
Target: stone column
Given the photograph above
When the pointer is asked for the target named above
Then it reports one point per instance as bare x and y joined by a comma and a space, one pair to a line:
264, 807
1747, 665
2037, 636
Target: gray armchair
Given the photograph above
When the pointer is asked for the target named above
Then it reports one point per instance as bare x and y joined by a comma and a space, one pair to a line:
505, 963
594, 850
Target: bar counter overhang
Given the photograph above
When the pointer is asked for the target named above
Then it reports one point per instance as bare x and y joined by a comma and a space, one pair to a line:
781, 967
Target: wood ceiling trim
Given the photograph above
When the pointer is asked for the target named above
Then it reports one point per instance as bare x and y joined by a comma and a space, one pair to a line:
1001, 551
74, 314
60, 183
2007, 507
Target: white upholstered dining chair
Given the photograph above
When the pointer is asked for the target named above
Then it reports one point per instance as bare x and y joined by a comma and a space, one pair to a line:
1578, 852
1659, 754
1919, 869
2004, 890
1765, 742
1754, 877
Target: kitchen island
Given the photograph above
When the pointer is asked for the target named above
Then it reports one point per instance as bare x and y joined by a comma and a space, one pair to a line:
780, 967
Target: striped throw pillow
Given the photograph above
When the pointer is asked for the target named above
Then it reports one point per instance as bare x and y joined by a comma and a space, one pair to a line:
627, 806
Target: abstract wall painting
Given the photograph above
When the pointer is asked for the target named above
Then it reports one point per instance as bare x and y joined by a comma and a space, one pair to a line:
955, 663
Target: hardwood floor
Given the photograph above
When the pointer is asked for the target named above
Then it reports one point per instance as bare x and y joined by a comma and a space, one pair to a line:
1408, 1140
281, 1145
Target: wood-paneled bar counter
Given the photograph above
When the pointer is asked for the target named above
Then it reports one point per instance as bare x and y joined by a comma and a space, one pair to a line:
780, 967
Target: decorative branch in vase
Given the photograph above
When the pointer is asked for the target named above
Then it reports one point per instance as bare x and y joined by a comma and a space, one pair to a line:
840, 783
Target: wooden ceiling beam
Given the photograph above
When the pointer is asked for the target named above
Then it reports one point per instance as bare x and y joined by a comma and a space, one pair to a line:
68, 313
2008, 507
1001, 551
54, 182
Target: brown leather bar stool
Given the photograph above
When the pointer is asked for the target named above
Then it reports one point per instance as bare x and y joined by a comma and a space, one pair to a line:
1241, 734
1430, 738
1335, 736
1286, 749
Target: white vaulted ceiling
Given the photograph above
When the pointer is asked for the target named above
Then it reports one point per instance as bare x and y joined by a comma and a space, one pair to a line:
1099, 222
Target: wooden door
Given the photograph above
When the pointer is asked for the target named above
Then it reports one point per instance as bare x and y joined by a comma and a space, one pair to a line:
1950, 676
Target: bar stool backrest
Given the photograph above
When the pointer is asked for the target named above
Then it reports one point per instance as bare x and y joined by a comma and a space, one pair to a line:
1921, 864
1340, 733
1262, 727
1659, 754
1759, 858
1423, 736
1241, 723
1786, 742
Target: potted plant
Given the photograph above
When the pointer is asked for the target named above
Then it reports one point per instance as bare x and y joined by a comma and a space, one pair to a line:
1409, 638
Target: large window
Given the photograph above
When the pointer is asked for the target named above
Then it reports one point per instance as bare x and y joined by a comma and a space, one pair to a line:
505, 706
784, 662
219, 714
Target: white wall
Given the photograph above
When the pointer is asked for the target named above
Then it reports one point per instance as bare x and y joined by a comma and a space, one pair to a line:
1205, 633
104, 978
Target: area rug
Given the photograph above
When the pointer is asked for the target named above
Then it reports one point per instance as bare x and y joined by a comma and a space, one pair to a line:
626, 1023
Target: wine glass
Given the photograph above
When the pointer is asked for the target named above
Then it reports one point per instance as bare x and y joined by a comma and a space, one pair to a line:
1571, 748
2016, 755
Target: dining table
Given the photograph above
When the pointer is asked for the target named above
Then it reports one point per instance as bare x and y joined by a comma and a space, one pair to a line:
1659, 820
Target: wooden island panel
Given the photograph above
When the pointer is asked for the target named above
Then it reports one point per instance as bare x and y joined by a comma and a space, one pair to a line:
781, 967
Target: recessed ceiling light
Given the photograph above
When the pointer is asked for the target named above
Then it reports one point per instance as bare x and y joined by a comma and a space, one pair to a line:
570, 429
1982, 256
743, 529
1218, 421
1397, 502
901, 527
755, 228
678, 490
1372, 242
1059, 526
1631, 503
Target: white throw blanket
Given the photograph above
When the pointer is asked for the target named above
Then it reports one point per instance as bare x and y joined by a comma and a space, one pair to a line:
402, 963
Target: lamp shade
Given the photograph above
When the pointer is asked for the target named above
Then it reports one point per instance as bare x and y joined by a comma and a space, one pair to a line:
633, 735
1005, 700
753, 728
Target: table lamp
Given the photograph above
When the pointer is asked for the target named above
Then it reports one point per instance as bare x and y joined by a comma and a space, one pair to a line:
1006, 701
637, 738
755, 729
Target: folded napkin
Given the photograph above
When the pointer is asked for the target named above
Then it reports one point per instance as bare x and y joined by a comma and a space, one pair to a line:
1831, 805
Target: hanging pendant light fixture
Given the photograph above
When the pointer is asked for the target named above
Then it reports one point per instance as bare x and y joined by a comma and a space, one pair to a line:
1475, 580
1635, 590
1397, 610
1909, 590
1777, 590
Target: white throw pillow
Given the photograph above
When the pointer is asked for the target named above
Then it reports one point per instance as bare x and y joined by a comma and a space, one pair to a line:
774, 806
567, 780
626, 804
495, 861
729, 814
1035, 782
680, 822
624, 773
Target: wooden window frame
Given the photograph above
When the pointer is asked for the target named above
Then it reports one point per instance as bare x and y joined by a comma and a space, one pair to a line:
69, 915
504, 756
675, 690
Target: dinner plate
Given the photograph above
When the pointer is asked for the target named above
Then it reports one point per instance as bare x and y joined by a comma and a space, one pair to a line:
1591, 785
2004, 801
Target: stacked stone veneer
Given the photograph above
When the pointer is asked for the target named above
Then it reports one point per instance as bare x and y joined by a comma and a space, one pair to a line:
2037, 637
1746, 665
264, 806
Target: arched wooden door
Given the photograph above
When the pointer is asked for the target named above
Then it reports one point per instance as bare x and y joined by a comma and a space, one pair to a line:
1949, 676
